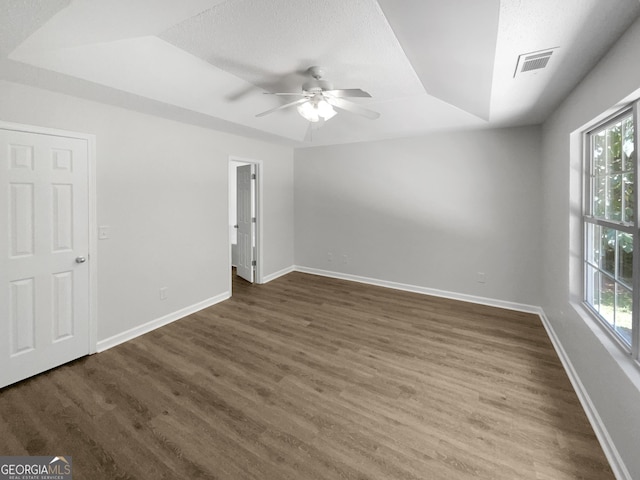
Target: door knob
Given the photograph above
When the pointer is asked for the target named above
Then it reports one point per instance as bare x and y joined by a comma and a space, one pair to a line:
80, 259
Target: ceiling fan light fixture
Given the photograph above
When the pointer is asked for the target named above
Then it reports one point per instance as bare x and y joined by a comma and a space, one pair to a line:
319, 99
313, 111
325, 110
308, 112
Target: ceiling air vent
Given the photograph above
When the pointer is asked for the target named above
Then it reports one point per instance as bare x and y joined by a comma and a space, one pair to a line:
528, 62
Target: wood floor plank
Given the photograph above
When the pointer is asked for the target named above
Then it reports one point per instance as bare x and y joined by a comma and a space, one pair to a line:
315, 378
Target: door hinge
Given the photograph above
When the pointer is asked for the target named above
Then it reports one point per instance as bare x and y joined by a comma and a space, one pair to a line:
253, 176
253, 262
253, 219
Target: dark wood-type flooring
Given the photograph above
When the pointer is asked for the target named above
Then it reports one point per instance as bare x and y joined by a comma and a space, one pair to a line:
315, 378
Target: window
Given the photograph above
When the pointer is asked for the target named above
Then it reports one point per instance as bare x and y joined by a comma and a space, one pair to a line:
611, 227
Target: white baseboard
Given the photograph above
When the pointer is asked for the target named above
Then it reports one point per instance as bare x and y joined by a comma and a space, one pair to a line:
159, 322
280, 273
611, 452
520, 307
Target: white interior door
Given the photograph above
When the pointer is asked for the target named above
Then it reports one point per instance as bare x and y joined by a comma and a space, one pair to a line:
246, 230
44, 245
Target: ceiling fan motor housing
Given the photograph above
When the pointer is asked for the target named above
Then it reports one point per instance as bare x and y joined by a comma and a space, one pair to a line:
317, 86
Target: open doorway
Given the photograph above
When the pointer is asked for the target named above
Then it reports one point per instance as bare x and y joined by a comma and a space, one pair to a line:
245, 219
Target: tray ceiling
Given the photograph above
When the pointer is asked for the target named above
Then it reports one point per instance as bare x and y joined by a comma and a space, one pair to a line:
429, 65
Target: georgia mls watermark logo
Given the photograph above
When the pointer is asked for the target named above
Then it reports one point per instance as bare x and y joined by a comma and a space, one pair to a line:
35, 468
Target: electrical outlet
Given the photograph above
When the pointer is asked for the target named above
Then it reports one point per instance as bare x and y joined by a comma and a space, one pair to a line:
482, 277
345, 259
163, 293
329, 257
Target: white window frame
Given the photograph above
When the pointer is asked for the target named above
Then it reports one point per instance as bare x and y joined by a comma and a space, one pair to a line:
633, 228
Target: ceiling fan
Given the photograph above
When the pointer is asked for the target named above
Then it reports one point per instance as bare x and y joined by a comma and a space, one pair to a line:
320, 100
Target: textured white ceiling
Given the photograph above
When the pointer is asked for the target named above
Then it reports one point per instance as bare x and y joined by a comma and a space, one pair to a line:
583, 31
429, 65
19, 19
351, 39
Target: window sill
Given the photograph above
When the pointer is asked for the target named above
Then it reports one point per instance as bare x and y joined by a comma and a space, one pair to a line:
615, 347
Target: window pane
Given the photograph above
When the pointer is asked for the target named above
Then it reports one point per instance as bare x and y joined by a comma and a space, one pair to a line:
599, 166
624, 304
593, 245
607, 299
592, 287
614, 148
628, 150
628, 180
625, 258
608, 250
614, 198
599, 196
613, 172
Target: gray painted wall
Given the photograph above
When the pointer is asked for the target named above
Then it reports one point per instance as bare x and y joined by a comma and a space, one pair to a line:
430, 212
609, 377
162, 190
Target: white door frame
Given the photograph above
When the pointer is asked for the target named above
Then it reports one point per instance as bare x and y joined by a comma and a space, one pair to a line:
259, 215
92, 257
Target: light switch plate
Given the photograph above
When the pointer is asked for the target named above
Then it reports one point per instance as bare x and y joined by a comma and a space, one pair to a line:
103, 232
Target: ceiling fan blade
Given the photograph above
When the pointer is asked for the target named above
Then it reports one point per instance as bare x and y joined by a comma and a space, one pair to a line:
286, 105
313, 126
308, 136
342, 104
348, 92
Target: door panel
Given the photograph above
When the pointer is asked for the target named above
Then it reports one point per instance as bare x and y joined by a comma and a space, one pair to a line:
44, 292
22, 316
62, 305
21, 219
